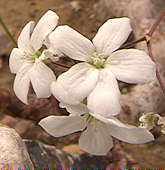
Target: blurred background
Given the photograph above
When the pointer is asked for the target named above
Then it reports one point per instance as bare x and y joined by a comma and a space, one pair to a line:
86, 16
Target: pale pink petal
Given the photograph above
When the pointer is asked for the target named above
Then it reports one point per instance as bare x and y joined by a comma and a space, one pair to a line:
105, 98
45, 25
24, 38
58, 126
22, 82
111, 35
76, 83
71, 43
16, 60
125, 132
95, 139
41, 77
132, 66
79, 109
61, 94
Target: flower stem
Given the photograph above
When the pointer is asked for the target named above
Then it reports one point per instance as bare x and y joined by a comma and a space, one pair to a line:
149, 34
147, 38
148, 41
157, 73
7, 32
154, 26
131, 44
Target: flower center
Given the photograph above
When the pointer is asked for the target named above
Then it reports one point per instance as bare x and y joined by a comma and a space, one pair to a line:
91, 121
88, 118
31, 57
97, 60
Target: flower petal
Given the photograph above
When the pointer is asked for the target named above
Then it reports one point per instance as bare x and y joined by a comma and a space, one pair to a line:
45, 25
76, 84
131, 134
15, 60
111, 35
41, 77
24, 38
125, 132
62, 125
61, 94
105, 98
75, 109
71, 43
132, 66
96, 139
22, 82
51, 47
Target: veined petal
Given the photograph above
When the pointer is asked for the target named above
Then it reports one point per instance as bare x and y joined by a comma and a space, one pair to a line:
105, 98
111, 120
131, 134
111, 35
15, 60
58, 126
51, 47
132, 66
61, 94
71, 43
125, 132
96, 139
24, 38
22, 82
79, 109
41, 77
45, 25
76, 83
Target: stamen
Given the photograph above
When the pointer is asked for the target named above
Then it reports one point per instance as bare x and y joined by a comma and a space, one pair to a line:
97, 60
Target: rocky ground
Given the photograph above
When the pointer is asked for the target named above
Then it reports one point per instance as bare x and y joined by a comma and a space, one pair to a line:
86, 17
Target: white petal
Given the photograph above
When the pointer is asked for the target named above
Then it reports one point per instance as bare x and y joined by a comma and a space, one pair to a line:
61, 94
125, 132
52, 48
71, 43
132, 66
47, 42
22, 82
105, 98
76, 83
16, 60
24, 38
75, 109
41, 77
62, 125
131, 134
45, 25
111, 35
96, 139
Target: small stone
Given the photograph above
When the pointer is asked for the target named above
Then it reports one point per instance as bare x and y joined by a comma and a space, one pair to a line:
46, 156
75, 5
73, 149
13, 152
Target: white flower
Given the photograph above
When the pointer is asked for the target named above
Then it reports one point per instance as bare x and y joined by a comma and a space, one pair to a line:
95, 79
97, 130
27, 62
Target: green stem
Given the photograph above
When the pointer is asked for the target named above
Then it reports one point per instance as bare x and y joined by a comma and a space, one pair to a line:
7, 32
